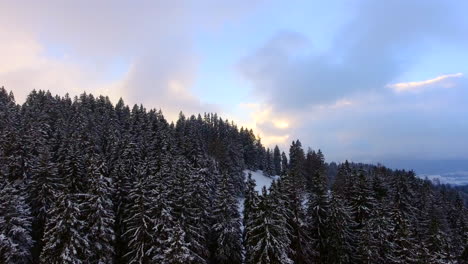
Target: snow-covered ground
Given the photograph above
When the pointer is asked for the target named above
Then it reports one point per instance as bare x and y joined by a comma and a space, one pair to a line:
260, 179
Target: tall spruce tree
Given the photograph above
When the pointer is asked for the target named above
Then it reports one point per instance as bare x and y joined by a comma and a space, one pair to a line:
284, 164
251, 201
317, 213
99, 214
65, 238
277, 161
301, 250
139, 223
339, 233
268, 240
297, 164
15, 225
227, 225
402, 214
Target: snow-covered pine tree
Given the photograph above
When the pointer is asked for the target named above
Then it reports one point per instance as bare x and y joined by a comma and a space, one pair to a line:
297, 164
43, 184
402, 214
342, 182
437, 244
99, 214
15, 225
277, 161
125, 170
361, 199
339, 232
71, 164
378, 187
139, 222
65, 239
251, 201
373, 241
317, 213
458, 224
284, 164
270, 167
247, 141
268, 241
179, 197
301, 250
11, 158
197, 212
178, 251
227, 225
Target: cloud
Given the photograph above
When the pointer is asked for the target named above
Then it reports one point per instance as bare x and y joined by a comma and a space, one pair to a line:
24, 68
73, 46
339, 99
422, 85
367, 55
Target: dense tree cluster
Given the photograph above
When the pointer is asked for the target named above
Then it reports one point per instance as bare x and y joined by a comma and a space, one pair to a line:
84, 181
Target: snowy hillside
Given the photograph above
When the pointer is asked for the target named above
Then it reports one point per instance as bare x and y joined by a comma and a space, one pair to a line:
261, 179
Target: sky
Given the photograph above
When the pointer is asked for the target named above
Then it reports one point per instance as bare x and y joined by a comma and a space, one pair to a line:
369, 81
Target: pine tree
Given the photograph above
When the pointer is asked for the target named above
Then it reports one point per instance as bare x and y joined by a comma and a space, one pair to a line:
42, 188
227, 227
277, 161
338, 232
401, 218
267, 239
127, 159
189, 208
11, 157
139, 224
270, 168
284, 164
100, 215
374, 244
343, 180
317, 213
15, 225
458, 223
361, 199
251, 201
197, 207
64, 238
297, 164
301, 250
437, 242
177, 251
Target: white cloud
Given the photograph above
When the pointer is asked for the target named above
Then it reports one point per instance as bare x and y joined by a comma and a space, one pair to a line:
442, 81
71, 46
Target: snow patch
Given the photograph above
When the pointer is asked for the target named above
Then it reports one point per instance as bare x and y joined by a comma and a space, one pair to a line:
261, 179
240, 207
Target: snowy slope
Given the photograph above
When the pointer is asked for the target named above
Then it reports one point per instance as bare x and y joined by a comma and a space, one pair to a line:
260, 179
